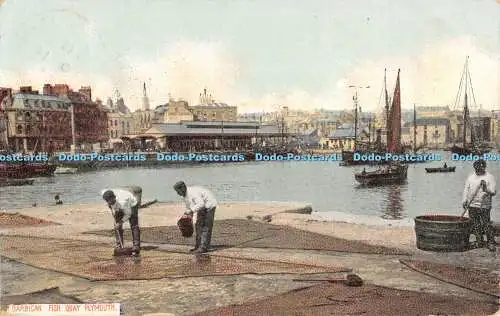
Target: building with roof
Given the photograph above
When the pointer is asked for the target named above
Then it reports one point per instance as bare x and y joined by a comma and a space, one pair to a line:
43, 122
210, 110
210, 135
120, 121
343, 138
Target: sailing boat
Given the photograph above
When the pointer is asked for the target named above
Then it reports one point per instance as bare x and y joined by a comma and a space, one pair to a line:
474, 147
393, 172
361, 148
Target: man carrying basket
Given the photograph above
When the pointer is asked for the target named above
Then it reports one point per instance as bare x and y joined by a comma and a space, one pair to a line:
202, 202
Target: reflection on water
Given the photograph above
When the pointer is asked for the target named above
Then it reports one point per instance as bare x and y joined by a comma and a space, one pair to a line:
394, 205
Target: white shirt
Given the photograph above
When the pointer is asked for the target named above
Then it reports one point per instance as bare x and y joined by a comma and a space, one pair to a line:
125, 200
198, 198
482, 199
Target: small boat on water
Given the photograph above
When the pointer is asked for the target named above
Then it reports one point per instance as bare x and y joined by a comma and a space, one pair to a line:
6, 182
394, 173
440, 169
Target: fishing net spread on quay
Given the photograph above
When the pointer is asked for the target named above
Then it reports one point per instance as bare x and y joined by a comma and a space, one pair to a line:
478, 280
251, 234
337, 299
8, 220
95, 261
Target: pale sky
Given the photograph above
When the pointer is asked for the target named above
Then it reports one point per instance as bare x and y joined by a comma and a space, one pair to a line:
255, 54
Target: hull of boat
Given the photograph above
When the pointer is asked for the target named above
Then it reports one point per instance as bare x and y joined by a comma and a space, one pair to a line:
396, 176
28, 170
464, 151
434, 170
15, 182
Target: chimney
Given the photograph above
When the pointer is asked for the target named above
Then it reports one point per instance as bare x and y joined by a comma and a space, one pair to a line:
47, 89
87, 91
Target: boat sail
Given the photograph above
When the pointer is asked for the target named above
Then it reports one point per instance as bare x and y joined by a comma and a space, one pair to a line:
393, 172
474, 147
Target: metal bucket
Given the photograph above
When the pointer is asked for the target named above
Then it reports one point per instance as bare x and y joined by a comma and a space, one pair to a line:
137, 192
442, 233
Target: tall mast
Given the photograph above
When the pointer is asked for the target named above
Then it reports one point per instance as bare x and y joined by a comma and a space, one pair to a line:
370, 130
466, 107
388, 132
414, 129
355, 119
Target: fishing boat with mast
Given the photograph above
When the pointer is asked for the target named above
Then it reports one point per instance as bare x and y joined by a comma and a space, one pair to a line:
392, 172
365, 148
475, 147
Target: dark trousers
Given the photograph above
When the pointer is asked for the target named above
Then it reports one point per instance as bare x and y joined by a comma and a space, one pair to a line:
203, 227
134, 227
481, 224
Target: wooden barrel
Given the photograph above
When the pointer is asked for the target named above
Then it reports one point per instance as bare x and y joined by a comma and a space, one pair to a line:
137, 192
442, 233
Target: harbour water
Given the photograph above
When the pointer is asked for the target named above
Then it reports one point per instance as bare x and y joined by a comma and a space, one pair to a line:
328, 187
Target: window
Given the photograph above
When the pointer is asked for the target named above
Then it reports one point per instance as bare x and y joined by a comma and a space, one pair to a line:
27, 116
116, 122
19, 129
28, 129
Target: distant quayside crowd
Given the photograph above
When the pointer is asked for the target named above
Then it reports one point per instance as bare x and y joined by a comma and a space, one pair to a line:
238, 157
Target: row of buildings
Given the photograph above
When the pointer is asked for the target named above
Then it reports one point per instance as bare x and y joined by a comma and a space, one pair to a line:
58, 119
435, 127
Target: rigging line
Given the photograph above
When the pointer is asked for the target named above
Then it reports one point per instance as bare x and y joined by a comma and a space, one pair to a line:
459, 92
471, 88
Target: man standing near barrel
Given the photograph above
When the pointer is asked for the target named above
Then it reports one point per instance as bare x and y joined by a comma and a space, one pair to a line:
479, 188
124, 206
202, 202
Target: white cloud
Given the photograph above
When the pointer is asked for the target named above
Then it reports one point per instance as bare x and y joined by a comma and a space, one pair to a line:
430, 77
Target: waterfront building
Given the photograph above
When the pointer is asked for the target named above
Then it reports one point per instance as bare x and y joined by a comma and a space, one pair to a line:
120, 121
343, 138
178, 111
495, 128
38, 122
210, 110
434, 132
211, 135
55, 119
